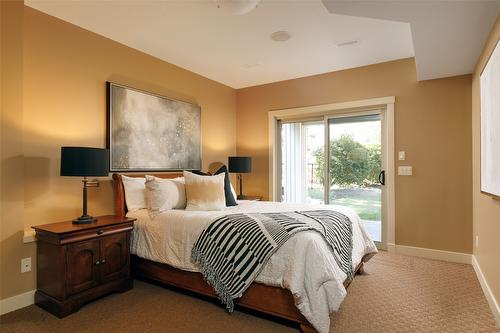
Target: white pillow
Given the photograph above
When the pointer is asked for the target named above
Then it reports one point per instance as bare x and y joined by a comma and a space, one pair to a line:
135, 192
204, 192
164, 194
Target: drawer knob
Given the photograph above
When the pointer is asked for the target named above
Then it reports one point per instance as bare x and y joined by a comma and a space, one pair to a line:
97, 262
100, 231
103, 261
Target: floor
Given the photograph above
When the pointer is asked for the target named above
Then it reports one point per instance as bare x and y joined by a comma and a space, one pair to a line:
396, 294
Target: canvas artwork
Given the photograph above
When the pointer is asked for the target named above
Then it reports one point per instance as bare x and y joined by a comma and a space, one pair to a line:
147, 132
490, 125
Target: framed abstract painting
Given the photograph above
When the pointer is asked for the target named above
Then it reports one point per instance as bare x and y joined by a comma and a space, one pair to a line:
148, 132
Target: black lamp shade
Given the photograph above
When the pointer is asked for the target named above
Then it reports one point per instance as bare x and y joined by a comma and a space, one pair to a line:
240, 164
84, 162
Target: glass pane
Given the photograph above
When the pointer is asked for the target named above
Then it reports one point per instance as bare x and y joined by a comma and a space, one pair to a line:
355, 163
302, 172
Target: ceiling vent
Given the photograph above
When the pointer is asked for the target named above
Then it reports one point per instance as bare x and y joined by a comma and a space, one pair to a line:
237, 7
347, 43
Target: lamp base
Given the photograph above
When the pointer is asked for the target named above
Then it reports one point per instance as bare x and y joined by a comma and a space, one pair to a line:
85, 219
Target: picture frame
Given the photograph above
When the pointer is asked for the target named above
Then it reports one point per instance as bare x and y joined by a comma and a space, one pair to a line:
146, 132
490, 126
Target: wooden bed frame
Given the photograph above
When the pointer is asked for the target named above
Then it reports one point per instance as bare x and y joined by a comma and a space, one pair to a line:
274, 301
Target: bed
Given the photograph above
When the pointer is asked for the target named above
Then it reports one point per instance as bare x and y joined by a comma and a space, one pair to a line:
160, 252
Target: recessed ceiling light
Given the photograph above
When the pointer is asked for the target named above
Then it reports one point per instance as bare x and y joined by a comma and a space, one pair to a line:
347, 43
280, 36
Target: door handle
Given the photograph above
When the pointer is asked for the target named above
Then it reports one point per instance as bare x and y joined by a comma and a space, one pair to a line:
381, 177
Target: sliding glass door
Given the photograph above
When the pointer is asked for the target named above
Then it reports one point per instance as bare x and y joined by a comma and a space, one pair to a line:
336, 159
355, 168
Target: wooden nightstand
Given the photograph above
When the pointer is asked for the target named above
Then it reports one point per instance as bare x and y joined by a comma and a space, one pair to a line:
77, 263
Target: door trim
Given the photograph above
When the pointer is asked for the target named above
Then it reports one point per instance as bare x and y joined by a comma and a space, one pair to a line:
359, 106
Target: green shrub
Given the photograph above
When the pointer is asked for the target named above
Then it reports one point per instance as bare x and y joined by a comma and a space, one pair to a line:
351, 163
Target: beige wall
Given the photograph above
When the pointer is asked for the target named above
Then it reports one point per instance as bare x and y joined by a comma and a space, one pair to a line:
486, 210
65, 69
12, 162
434, 206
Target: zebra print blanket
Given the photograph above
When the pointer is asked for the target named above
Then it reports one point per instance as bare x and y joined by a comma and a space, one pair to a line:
233, 249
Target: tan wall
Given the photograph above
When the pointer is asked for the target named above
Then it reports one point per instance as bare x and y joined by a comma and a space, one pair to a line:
434, 206
65, 69
12, 162
486, 210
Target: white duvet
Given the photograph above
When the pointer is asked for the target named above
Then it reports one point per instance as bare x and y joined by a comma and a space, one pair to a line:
304, 264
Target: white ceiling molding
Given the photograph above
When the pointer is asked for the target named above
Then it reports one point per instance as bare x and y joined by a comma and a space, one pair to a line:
448, 36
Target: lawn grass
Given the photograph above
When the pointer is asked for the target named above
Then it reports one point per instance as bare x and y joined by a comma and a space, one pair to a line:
365, 201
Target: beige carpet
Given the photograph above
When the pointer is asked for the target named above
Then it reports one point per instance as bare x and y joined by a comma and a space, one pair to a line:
396, 294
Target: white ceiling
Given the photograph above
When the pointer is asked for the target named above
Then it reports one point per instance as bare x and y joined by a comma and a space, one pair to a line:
448, 36
236, 49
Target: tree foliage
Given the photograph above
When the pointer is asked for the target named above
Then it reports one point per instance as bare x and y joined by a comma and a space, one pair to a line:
351, 163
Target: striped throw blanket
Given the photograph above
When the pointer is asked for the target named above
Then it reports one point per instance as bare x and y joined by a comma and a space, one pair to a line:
233, 249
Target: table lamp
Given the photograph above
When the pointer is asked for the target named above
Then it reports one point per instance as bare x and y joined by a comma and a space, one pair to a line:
239, 165
85, 162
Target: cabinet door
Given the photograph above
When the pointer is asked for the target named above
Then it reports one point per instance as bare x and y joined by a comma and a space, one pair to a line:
82, 260
114, 256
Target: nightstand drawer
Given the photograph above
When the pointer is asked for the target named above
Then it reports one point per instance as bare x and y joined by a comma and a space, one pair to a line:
90, 234
86, 234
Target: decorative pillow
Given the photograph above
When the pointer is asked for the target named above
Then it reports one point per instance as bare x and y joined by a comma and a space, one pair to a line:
228, 191
204, 192
135, 192
164, 194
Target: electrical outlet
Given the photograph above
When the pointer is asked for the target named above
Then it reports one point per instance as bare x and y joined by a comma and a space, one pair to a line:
26, 265
477, 242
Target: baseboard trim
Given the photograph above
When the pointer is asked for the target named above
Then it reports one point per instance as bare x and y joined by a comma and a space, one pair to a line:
391, 247
458, 257
495, 308
17, 302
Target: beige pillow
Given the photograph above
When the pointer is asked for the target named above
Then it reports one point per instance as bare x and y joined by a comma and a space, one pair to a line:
204, 192
164, 194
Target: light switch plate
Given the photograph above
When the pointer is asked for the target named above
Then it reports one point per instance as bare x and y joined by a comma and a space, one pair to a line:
405, 170
402, 155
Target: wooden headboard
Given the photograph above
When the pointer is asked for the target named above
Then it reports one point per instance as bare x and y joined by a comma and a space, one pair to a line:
120, 205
